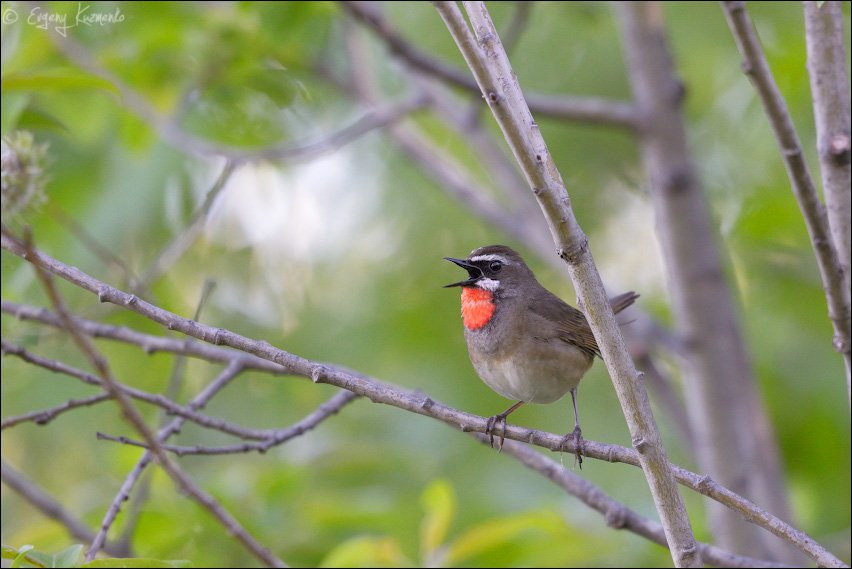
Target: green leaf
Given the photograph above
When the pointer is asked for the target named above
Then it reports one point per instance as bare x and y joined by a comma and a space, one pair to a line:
439, 501
495, 533
135, 562
367, 552
33, 557
69, 557
34, 118
20, 556
12, 105
57, 79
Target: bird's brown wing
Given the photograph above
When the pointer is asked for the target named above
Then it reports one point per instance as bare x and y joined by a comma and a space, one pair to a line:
571, 325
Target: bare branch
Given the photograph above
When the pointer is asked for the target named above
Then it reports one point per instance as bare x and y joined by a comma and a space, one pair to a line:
179, 244
48, 506
487, 60
137, 501
830, 268
148, 456
44, 416
616, 514
173, 133
168, 405
456, 180
132, 415
516, 26
734, 437
92, 244
587, 110
666, 396
148, 343
179, 366
276, 438
830, 89
415, 402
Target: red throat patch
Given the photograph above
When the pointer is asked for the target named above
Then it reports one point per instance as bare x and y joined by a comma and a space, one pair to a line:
477, 307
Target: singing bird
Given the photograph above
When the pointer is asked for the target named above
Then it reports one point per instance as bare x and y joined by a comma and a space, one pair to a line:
525, 342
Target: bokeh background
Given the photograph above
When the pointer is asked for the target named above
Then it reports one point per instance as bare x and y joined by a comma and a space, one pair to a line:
338, 258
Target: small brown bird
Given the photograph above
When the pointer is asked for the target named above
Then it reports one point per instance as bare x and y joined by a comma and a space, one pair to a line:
524, 342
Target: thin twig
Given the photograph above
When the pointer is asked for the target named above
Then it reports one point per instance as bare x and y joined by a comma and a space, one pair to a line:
161, 401
181, 479
173, 133
276, 438
179, 366
516, 26
179, 244
484, 54
150, 344
132, 415
666, 397
137, 501
380, 392
588, 110
93, 244
44, 416
148, 456
830, 268
48, 506
443, 167
616, 514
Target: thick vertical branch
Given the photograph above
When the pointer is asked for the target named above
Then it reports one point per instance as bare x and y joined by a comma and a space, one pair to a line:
490, 66
813, 212
830, 90
734, 440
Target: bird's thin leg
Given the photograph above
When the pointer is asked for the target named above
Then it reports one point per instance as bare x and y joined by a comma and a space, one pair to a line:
499, 420
577, 434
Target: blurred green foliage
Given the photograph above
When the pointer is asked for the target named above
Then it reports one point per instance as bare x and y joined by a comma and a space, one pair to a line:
340, 260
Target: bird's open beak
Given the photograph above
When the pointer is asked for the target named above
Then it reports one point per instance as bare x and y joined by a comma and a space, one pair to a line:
474, 272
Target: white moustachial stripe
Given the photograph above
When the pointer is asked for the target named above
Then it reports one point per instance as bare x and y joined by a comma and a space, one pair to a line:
488, 284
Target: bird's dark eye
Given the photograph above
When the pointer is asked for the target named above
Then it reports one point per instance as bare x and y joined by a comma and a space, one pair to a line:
495, 266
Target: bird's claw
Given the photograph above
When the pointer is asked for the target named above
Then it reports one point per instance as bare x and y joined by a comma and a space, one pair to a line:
576, 437
491, 426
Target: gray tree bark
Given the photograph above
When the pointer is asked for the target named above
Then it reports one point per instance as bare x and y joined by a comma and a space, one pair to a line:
734, 440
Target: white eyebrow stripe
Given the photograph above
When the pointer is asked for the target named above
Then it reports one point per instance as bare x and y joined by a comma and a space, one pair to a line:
491, 257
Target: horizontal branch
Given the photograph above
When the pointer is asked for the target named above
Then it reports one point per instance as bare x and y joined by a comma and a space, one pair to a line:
616, 514
276, 438
417, 402
149, 343
44, 416
580, 109
172, 408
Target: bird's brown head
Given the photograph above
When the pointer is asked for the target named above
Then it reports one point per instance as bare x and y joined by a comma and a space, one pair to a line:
494, 272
